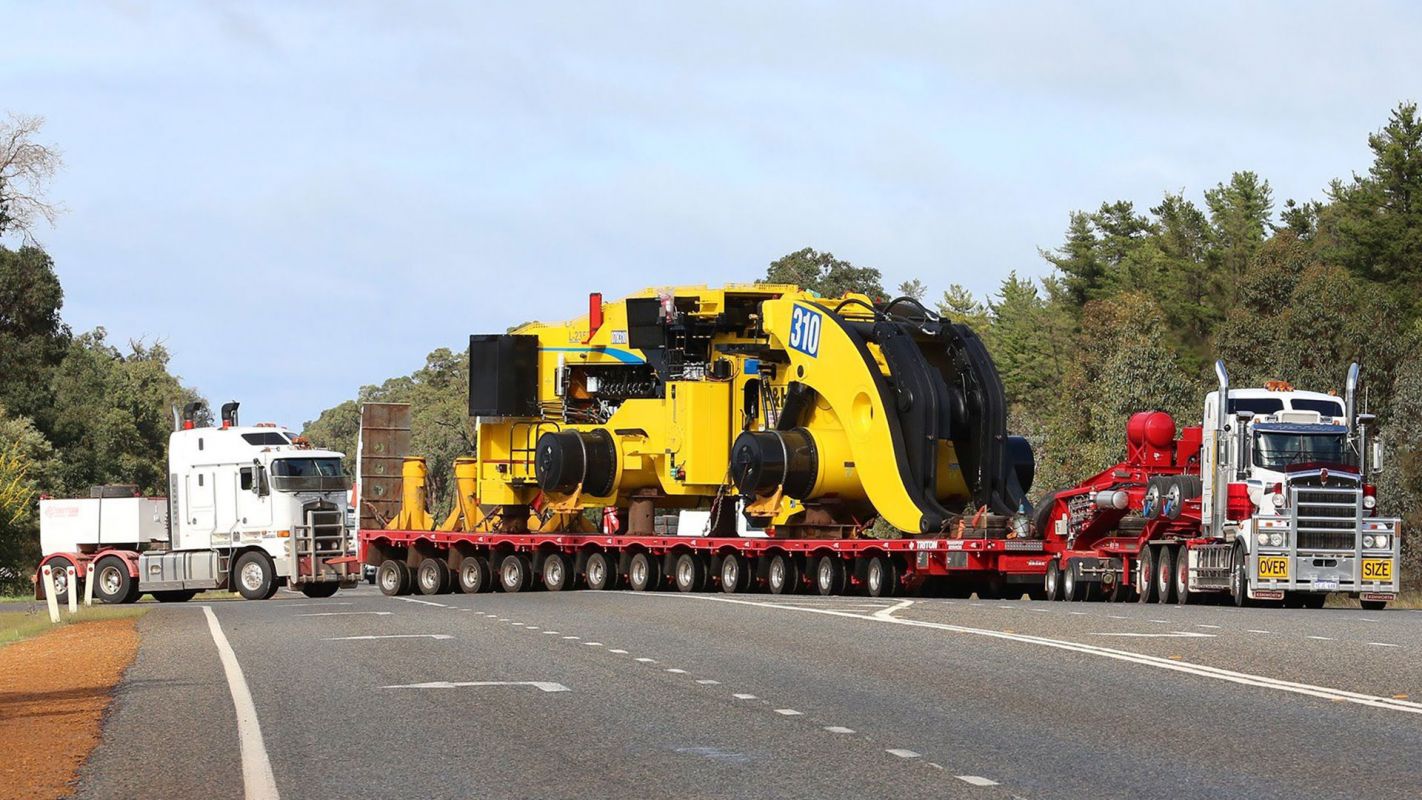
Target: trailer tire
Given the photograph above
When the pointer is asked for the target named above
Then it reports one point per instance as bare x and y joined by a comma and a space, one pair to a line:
393, 578
557, 572
641, 571
174, 595
601, 572
1052, 582
734, 574
689, 573
58, 567
320, 590
1165, 574
781, 575
1182, 578
515, 573
1073, 590
881, 577
474, 575
255, 574
830, 577
1145, 575
432, 576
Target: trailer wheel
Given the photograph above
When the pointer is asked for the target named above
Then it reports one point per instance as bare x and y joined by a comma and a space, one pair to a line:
1073, 591
1182, 578
174, 595
1052, 583
255, 574
782, 577
113, 584
320, 590
557, 572
1165, 574
515, 573
600, 572
474, 575
1145, 575
639, 573
393, 578
881, 578
735, 577
830, 577
59, 568
432, 576
689, 573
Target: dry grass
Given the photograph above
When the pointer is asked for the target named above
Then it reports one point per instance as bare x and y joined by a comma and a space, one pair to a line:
18, 621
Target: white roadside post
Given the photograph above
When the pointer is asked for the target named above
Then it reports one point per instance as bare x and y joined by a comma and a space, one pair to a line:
49, 595
73, 593
89, 584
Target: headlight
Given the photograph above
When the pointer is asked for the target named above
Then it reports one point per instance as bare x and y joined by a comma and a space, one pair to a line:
1380, 541
1262, 538
1276, 539
1368, 540
1278, 498
1370, 502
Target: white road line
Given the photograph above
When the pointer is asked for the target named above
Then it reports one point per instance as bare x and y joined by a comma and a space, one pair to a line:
1203, 625
257, 780
533, 627
789, 712
1117, 616
422, 602
975, 780
647, 660
676, 671
593, 644
1383, 644
888, 613
389, 636
572, 637
619, 652
1322, 638
1190, 668
1171, 635
901, 753
1252, 630
1077, 613
312, 603
838, 729
347, 614
550, 633
709, 682
542, 686
740, 696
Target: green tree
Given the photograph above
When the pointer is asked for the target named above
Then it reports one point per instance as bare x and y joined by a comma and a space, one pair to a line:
823, 273
33, 338
1079, 261
913, 288
959, 305
27, 463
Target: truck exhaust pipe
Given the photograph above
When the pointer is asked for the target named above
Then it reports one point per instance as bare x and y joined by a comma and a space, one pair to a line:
1219, 497
1350, 398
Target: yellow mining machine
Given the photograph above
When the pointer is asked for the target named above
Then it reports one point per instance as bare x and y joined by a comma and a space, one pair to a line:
814, 416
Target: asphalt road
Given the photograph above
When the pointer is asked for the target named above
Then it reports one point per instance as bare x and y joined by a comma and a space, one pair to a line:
587, 694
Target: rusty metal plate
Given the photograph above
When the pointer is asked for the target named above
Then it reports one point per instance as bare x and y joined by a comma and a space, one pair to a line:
384, 443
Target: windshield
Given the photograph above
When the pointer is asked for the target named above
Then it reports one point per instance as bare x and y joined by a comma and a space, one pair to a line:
308, 475
1278, 451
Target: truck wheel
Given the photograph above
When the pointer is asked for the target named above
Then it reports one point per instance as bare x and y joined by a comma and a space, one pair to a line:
1165, 574
318, 591
432, 576
557, 572
1072, 589
1369, 605
734, 575
1239, 578
781, 577
829, 576
1182, 577
1145, 575
515, 573
601, 572
881, 578
1154, 496
474, 575
1174, 497
393, 578
58, 567
174, 595
255, 575
640, 573
690, 573
1052, 583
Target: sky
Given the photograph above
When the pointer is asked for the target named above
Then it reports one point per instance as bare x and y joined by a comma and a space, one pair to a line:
302, 198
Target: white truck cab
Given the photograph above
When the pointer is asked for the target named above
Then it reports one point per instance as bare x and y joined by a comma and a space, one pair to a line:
249, 508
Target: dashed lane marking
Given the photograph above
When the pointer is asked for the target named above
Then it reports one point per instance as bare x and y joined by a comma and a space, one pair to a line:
347, 614
676, 671
542, 686
1383, 644
975, 780
1322, 638
258, 782
423, 602
743, 696
789, 712
619, 652
645, 660
389, 636
902, 753
838, 729
1253, 630
1203, 625
709, 682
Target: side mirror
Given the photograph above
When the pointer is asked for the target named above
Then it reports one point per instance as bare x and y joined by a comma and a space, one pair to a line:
1375, 458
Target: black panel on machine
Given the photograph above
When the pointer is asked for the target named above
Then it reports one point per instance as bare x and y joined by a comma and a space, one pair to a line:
503, 375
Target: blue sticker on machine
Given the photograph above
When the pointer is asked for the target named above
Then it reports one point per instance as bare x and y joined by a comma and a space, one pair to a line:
805, 330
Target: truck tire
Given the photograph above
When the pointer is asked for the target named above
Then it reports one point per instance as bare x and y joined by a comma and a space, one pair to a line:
432, 576
601, 572
1154, 497
1052, 583
881, 577
557, 572
474, 575
781, 575
515, 573
58, 567
1165, 574
1239, 578
641, 572
1175, 492
318, 591
174, 595
112, 584
1073, 590
254, 575
735, 576
830, 575
1145, 575
393, 578
1182, 578
690, 573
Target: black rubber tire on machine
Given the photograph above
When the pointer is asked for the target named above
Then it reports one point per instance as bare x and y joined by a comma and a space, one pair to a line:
515, 573
830, 575
641, 573
180, 595
689, 573
1145, 575
881, 577
318, 591
782, 575
1165, 574
1073, 590
393, 578
255, 575
432, 576
475, 575
601, 571
1052, 582
734, 573
557, 572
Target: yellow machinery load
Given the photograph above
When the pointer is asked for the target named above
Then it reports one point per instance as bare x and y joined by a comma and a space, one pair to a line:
813, 415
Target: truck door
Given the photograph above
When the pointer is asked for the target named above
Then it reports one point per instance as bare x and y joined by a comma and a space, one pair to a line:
225, 507
254, 510
201, 514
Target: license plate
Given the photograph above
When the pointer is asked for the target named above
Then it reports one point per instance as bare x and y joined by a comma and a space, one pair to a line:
1273, 568
1325, 586
1377, 569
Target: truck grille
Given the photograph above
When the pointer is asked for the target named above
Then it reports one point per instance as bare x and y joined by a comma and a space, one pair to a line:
1327, 518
